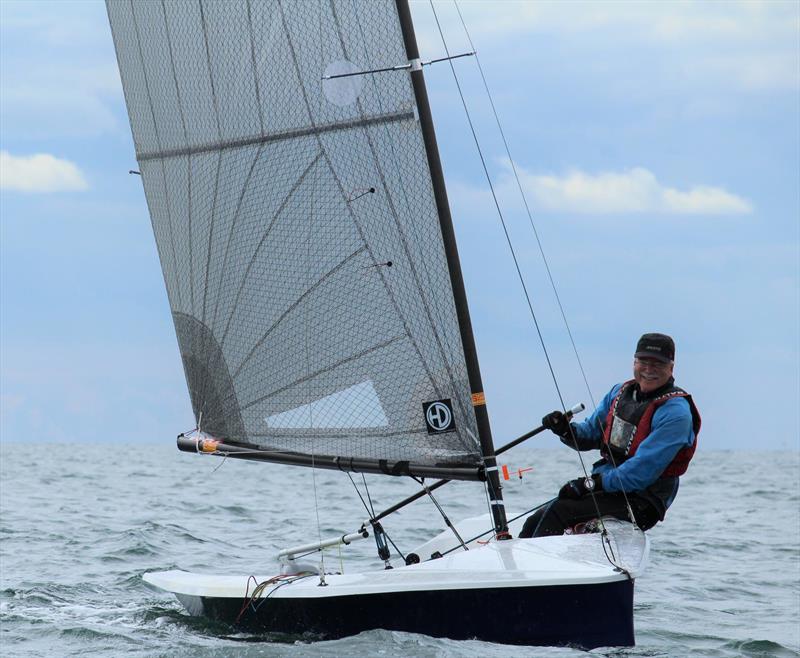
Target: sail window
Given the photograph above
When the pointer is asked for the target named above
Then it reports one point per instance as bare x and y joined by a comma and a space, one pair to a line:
342, 91
357, 406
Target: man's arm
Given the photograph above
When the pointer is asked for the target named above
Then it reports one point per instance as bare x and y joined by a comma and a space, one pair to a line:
671, 430
589, 433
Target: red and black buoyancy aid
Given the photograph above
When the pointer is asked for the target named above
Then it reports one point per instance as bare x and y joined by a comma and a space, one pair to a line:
630, 417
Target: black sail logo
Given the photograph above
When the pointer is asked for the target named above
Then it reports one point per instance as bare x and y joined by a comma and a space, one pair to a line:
439, 416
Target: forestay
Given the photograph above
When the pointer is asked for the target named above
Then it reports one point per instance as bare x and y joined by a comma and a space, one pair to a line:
296, 225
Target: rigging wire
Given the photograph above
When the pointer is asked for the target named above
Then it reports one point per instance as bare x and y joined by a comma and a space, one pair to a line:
315, 184
363, 502
369, 498
499, 211
220, 465
447, 521
529, 512
536, 233
516, 265
371, 512
527, 207
486, 532
319, 527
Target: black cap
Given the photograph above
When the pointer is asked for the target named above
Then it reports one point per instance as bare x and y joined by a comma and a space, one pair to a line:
656, 346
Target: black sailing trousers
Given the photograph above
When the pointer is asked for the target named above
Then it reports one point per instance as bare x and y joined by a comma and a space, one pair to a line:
562, 513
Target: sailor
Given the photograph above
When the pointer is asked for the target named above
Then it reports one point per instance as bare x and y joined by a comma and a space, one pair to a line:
646, 430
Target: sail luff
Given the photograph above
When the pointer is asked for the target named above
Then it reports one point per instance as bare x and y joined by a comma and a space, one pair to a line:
454, 266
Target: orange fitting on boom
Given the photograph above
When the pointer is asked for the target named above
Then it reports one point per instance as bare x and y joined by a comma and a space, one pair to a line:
208, 445
505, 472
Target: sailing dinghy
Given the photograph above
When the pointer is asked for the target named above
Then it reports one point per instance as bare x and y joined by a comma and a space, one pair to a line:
291, 172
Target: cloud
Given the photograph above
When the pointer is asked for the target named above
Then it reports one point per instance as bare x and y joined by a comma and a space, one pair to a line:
763, 72
674, 22
635, 190
41, 172
745, 46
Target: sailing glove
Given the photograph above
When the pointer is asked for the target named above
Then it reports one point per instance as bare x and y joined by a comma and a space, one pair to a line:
575, 489
557, 423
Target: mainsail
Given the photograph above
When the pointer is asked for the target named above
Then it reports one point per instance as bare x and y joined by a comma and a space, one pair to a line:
297, 226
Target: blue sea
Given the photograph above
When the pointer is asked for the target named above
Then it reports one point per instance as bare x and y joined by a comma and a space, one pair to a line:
80, 524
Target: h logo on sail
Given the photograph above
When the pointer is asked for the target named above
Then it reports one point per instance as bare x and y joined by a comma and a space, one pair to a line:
439, 416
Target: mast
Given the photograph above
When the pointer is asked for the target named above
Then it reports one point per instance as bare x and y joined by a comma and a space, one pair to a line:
454, 267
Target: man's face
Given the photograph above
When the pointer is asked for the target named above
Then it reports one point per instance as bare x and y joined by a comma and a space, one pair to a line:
651, 374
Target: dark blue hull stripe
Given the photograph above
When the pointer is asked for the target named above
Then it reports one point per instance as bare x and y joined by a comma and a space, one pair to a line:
585, 616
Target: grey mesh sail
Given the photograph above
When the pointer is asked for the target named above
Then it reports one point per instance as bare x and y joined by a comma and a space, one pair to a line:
296, 225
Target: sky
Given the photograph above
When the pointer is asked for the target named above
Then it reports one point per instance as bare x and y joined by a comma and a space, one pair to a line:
657, 144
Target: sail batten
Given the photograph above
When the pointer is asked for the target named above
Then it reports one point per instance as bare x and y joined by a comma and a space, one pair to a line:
297, 228
276, 137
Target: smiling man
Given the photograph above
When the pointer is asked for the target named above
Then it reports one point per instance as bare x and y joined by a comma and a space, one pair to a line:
646, 430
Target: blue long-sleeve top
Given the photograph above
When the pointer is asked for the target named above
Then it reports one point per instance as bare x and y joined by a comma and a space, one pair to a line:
670, 430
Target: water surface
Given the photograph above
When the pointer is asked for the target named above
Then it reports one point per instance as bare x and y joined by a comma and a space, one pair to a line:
80, 524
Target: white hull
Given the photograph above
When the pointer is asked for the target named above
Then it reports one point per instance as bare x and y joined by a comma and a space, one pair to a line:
569, 567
